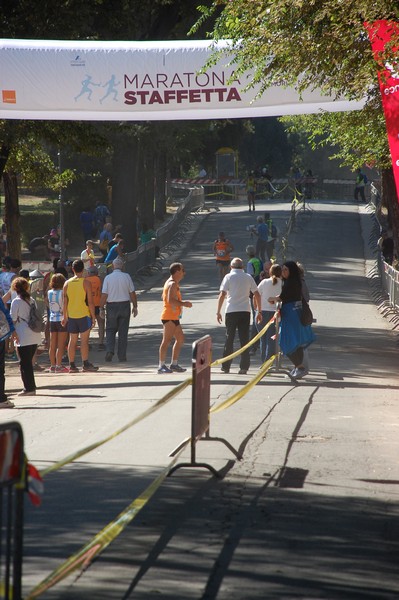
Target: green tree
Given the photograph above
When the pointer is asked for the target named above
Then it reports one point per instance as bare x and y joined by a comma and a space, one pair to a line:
317, 44
138, 147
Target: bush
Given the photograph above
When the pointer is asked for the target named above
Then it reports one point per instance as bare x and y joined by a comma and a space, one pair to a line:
37, 223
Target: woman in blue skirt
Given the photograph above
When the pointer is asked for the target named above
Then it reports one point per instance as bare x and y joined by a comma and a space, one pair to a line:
294, 337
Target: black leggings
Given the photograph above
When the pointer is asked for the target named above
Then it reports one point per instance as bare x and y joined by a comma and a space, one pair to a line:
296, 357
25, 366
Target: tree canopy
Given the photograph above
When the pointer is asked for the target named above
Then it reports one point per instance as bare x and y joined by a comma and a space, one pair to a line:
307, 43
317, 44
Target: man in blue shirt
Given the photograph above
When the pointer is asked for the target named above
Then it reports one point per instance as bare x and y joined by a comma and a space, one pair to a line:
116, 250
262, 231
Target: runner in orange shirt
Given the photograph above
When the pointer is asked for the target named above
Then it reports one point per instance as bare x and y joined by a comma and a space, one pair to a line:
221, 249
170, 317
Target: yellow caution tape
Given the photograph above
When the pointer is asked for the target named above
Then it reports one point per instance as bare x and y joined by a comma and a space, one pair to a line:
72, 457
83, 558
219, 361
246, 388
10, 590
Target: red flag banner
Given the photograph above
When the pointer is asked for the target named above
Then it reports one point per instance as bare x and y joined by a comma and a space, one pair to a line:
383, 35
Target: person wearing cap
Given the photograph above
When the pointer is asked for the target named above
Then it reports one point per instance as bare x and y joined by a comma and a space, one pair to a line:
235, 289
87, 256
116, 296
53, 244
79, 316
92, 276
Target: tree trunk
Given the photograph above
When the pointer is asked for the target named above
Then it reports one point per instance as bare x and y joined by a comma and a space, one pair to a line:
4, 154
145, 185
12, 214
124, 191
390, 201
160, 184
149, 188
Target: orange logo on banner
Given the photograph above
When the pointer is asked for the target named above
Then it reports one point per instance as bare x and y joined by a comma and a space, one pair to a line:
9, 96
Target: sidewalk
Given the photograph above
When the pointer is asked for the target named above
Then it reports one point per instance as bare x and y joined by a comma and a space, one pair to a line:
310, 512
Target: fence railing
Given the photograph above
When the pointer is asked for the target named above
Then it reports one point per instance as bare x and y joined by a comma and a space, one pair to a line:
388, 276
390, 283
145, 254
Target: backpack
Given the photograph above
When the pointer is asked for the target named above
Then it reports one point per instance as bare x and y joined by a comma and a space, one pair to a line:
5, 329
258, 267
35, 320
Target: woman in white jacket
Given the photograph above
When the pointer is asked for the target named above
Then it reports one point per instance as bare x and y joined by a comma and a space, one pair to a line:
269, 287
27, 339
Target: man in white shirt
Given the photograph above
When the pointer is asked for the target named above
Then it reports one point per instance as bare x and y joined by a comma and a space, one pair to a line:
235, 289
116, 296
88, 256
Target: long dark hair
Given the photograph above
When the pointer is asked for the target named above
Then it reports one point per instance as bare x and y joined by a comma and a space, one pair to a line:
294, 271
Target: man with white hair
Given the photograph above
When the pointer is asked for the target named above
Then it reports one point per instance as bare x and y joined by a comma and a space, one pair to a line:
235, 289
116, 296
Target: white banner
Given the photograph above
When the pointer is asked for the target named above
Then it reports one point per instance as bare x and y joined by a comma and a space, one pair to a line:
134, 81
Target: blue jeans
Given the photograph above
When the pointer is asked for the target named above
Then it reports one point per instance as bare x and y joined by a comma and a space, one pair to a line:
267, 345
118, 319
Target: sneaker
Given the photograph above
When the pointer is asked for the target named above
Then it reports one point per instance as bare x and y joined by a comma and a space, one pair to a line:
52, 369
7, 404
299, 373
26, 393
164, 369
61, 369
108, 356
242, 372
89, 368
225, 371
73, 369
177, 368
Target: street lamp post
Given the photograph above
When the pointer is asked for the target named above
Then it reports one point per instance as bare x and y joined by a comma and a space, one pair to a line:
61, 208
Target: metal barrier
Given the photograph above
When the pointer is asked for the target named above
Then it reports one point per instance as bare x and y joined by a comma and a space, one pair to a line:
200, 430
200, 404
390, 283
341, 189
12, 488
387, 274
146, 254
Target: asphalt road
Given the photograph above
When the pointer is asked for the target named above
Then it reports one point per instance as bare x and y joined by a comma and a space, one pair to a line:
311, 510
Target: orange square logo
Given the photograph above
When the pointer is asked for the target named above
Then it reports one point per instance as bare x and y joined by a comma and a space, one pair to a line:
9, 96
